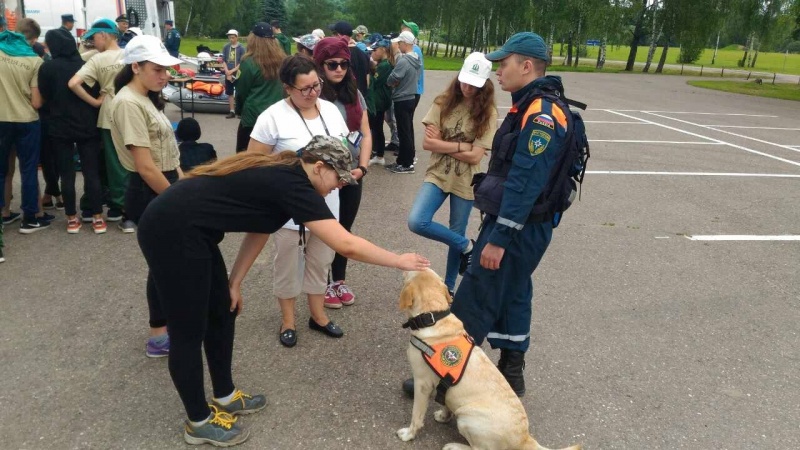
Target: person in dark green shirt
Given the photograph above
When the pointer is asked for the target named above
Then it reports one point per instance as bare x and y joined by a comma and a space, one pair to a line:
286, 42
258, 86
379, 98
172, 40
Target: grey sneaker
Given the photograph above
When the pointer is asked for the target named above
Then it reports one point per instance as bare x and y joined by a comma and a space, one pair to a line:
242, 404
127, 226
221, 430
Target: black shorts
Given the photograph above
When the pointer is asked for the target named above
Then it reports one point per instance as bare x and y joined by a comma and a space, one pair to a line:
228, 86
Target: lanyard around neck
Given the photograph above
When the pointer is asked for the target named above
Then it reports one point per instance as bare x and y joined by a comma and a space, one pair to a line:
324, 125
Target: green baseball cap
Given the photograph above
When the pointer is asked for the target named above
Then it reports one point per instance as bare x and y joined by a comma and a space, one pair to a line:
102, 26
525, 43
414, 27
334, 152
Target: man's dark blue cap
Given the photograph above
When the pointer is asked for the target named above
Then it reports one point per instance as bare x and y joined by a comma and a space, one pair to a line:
67, 18
169, 22
525, 43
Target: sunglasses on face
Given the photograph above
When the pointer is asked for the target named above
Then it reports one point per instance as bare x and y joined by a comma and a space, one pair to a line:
333, 65
306, 91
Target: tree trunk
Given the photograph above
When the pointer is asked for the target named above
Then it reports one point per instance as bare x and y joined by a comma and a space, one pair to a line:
188, 19
653, 41
638, 33
569, 50
746, 49
601, 54
660, 68
561, 50
578, 42
755, 54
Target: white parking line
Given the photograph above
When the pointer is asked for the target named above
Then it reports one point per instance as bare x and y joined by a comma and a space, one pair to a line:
753, 128
723, 131
794, 163
613, 122
698, 113
745, 237
692, 174
624, 141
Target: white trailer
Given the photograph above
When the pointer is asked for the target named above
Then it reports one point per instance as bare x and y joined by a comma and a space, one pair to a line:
149, 15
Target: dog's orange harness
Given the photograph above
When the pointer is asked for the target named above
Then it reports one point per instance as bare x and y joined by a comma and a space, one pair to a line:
448, 360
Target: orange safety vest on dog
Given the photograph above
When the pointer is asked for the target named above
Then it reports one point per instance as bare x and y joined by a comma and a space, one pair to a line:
448, 360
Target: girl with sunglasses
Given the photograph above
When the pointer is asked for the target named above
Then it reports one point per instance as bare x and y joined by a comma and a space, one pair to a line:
332, 57
301, 262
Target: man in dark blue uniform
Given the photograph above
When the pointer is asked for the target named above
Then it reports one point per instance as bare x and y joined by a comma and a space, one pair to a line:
494, 299
67, 22
172, 40
495, 296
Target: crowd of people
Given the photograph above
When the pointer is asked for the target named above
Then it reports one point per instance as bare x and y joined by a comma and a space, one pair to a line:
311, 126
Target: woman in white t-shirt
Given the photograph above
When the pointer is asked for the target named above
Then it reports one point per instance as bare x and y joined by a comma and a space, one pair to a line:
289, 125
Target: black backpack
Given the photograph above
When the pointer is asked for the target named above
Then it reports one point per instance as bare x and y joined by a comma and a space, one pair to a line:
562, 186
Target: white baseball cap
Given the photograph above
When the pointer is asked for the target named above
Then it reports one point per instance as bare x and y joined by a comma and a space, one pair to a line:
148, 48
476, 70
232, 32
405, 36
318, 33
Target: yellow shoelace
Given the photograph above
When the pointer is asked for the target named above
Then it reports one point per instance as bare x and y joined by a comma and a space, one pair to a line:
239, 395
222, 418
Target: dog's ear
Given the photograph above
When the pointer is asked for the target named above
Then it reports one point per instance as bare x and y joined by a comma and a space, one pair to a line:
447, 294
407, 296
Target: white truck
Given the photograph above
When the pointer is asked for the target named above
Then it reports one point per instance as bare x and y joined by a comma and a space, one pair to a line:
149, 15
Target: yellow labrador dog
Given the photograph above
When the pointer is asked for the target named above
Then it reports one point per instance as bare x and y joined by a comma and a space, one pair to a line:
490, 416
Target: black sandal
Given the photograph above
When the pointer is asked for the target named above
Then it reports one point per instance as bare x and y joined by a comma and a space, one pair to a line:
288, 337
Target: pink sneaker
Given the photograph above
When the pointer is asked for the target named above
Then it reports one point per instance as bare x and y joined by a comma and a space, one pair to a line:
331, 299
346, 296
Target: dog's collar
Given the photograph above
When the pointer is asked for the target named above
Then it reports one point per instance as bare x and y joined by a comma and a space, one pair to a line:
427, 319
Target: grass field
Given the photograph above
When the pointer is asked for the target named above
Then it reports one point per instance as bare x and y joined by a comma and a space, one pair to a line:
727, 58
782, 91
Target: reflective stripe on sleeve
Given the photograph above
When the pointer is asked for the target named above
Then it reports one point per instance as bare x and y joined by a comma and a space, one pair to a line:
510, 224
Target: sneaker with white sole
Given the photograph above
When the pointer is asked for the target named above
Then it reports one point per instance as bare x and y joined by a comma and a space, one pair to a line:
379, 160
332, 299
127, 226
344, 293
402, 169
32, 226
221, 430
99, 226
242, 404
74, 225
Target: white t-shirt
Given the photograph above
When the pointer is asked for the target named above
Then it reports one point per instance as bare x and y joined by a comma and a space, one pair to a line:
283, 128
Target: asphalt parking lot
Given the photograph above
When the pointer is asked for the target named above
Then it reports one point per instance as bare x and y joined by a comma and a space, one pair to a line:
666, 310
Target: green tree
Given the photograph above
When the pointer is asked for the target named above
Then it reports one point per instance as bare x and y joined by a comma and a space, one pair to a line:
275, 10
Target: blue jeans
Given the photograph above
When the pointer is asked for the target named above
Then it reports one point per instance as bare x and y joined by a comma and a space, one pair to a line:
27, 138
420, 221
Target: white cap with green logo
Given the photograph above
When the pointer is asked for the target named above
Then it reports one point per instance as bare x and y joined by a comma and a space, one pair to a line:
476, 70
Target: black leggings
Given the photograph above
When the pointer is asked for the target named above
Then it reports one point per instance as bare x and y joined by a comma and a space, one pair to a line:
243, 138
349, 202
376, 128
48, 158
195, 296
89, 151
137, 197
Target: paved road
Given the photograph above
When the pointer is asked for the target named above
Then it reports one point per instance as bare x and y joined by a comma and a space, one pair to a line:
641, 338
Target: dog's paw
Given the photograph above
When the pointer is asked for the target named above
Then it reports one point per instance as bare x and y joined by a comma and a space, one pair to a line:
443, 415
405, 434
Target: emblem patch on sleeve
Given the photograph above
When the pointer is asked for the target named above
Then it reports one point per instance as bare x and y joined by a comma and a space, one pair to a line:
545, 121
538, 142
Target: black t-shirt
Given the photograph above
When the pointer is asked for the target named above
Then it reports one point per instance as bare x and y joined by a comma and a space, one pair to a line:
258, 200
360, 62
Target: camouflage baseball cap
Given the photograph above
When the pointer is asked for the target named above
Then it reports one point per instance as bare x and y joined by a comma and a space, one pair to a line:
334, 152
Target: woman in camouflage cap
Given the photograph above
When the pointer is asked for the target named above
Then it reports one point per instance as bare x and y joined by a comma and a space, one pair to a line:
179, 235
